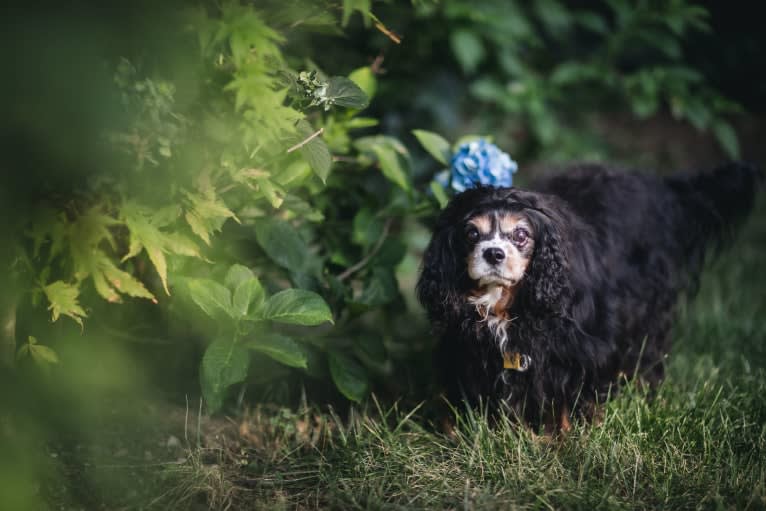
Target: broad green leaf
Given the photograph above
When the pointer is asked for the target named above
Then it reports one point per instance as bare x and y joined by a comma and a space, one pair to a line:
236, 275
348, 375
224, 364
727, 137
281, 243
367, 228
365, 79
63, 300
344, 92
380, 289
315, 151
349, 6
279, 347
468, 49
249, 294
434, 144
298, 307
392, 167
211, 297
439, 193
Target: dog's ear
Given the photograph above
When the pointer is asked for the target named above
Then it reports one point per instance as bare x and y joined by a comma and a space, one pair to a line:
437, 287
548, 280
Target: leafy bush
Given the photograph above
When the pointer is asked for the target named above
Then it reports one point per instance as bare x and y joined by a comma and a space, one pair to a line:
239, 188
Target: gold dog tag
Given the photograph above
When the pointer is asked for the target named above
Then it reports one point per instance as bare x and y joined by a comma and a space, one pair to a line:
515, 361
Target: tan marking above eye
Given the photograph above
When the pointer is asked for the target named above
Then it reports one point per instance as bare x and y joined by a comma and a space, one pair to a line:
509, 221
483, 223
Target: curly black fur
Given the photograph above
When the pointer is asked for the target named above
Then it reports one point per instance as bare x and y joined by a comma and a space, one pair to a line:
613, 252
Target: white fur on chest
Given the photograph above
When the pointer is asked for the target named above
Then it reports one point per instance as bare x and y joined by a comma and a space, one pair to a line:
485, 306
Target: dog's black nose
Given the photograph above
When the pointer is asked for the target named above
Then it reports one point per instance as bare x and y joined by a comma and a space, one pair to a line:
494, 255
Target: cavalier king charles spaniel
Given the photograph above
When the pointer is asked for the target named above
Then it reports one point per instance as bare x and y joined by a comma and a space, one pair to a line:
545, 299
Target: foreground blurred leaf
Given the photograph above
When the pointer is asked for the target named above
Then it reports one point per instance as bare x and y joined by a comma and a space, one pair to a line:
298, 307
349, 376
279, 347
224, 364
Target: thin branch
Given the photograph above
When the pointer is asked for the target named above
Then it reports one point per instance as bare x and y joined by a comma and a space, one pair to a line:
366, 259
309, 139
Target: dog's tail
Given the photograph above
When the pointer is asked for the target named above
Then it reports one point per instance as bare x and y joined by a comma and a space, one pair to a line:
713, 206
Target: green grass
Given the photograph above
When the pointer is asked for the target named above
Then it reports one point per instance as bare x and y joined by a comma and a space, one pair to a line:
699, 444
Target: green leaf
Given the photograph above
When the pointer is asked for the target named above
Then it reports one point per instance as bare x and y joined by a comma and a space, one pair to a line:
224, 364
434, 144
40, 354
439, 193
381, 289
367, 228
211, 297
344, 92
63, 300
348, 375
391, 166
279, 347
727, 137
273, 194
281, 243
236, 275
315, 151
468, 49
297, 307
365, 79
248, 294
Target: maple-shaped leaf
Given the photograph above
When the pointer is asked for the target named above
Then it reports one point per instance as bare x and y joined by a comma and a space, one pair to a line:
145, 234
63, 300
206, 213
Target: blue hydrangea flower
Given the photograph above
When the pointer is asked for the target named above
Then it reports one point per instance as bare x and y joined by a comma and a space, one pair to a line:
479, 162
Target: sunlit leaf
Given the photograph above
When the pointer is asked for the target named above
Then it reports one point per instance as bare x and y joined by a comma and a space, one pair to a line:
63, 300
236, 275
434, 144
249, 294
392, 167
365, 79
211, 297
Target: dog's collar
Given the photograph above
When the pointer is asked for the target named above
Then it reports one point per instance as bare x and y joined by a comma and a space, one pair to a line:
516, 361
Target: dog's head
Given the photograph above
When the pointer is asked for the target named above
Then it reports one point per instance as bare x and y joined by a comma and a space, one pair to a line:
495, 238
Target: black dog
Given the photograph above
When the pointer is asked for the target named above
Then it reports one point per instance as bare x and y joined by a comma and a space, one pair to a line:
544, 299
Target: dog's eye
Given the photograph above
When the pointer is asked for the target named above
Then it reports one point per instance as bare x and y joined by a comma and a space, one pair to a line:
472, 234
520, 236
